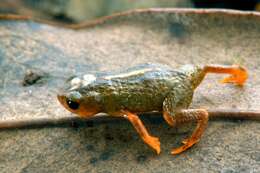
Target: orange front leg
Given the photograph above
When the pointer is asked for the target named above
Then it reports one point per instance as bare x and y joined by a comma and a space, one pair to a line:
140, 128
238, 74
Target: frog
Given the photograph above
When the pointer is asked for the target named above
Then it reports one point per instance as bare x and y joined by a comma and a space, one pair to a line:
143, 88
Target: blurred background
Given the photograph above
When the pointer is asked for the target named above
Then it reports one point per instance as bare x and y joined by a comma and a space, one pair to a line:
75, 11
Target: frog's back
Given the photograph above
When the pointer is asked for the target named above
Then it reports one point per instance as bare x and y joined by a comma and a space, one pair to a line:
144, 76
141, 88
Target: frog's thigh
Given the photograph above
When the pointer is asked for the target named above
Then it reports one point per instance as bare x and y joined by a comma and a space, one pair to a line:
173, 103
187, 115
168, 110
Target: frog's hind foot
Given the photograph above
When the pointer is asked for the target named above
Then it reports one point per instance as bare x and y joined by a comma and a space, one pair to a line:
199, 115
184, 147
238, 74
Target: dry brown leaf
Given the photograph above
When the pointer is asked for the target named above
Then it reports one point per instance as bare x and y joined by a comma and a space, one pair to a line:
170, 36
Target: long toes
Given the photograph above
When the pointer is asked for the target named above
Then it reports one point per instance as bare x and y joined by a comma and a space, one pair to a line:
180, 149
187, 144
234, 80
229, 79
239, 77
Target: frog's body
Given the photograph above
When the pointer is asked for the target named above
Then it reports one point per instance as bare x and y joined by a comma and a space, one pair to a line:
144, 88
136, 89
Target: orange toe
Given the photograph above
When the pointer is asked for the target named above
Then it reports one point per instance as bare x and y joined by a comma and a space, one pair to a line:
187, 144
234, 80
154, 143
239, 76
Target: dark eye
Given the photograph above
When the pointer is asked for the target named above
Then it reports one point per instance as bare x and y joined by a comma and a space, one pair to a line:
72, 104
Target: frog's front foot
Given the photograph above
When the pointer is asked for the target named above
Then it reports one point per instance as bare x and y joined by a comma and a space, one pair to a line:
140, 128
153, 142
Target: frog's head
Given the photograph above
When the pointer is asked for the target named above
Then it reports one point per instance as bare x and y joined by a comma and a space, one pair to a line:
77, 99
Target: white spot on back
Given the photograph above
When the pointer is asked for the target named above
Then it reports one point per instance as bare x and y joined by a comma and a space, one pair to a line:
88, 78
75, 81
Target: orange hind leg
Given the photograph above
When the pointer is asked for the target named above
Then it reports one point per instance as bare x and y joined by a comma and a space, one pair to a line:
238, 74
199, 115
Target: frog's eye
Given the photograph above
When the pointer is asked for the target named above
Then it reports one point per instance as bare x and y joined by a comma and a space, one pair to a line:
72, 104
